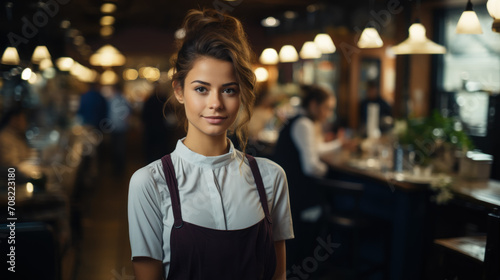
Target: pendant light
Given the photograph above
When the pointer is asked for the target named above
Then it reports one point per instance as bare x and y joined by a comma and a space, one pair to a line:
269, 56
369, 37
107, 56
310, 51
288, 53
40, 53
325, 43
417, 43
10, 56
468, 22
493, 7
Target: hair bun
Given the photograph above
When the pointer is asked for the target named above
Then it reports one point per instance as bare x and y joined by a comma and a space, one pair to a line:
199, 22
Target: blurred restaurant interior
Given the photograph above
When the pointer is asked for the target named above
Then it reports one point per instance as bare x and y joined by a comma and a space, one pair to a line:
413, 193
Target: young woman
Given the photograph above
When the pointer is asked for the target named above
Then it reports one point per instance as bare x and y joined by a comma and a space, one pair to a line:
208, 211
298, 150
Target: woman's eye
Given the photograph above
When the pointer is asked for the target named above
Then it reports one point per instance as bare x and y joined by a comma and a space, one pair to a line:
229, 91
201, 89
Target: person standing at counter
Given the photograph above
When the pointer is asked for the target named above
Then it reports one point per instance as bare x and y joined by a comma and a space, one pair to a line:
298, 150
208, 211
384, 109
13, 145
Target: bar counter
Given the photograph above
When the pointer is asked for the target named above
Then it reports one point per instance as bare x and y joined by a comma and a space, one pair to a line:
405, 201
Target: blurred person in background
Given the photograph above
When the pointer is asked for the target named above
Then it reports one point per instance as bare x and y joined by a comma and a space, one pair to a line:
161, 128
384, 111
207, 210
93, 107
14, 147
92, 114
300, 145
119, 111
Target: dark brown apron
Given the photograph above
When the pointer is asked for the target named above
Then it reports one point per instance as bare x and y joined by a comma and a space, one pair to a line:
200, 253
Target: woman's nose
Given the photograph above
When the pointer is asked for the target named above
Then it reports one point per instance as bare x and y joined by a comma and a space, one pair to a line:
214, 101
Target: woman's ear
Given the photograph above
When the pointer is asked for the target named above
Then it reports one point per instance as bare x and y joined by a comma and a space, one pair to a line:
178, 92
312, 108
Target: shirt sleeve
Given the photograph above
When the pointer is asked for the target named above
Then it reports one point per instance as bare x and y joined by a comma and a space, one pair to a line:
303, 137
278, 199
328, 147
144, 216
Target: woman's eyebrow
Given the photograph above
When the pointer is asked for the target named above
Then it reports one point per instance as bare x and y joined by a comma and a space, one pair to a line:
201, 82
208, 84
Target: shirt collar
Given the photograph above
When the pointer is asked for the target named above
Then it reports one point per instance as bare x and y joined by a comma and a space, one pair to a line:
213, 162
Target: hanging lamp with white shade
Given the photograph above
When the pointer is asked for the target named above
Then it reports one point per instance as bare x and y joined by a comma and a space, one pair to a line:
40, 53
288, 53
64, 63
107, 56
468, 22
269, 56
325, 43
370, 39
310, 51
493, 7
10, 56
418, 43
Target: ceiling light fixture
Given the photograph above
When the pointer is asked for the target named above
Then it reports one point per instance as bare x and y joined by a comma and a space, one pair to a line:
108, 8
270, 22
10, 56
269, 56
288, 53
325, 43
107, 20
493, 7
310, 51
261, 74
417, 43
370, 39
40, 53
468, 22
107, 56
64, 63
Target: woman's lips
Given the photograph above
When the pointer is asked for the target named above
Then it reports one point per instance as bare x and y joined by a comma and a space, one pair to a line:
214, 119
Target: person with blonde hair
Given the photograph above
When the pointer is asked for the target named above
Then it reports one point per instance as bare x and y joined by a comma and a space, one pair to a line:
207, 210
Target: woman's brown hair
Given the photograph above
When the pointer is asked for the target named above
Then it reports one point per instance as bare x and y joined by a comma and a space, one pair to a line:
209, 33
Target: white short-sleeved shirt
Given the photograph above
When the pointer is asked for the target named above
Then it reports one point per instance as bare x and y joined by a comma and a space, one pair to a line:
214, 193
311, 147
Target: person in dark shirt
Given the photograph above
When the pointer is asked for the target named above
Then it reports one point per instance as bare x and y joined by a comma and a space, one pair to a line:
373, 97
93, 107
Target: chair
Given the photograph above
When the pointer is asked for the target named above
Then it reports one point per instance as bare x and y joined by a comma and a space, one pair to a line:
352, 221
477, 255
36, 251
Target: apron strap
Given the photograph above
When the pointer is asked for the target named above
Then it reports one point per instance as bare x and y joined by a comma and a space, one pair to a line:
168, 169
260, 186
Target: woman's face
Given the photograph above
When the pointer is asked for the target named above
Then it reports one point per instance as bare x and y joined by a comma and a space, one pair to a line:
322, 111
211, 97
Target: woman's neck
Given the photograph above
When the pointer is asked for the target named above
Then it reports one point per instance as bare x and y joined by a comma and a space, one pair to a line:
207, 145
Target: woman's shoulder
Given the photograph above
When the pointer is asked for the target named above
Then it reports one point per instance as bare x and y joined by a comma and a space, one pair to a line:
147, 177
268, 167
